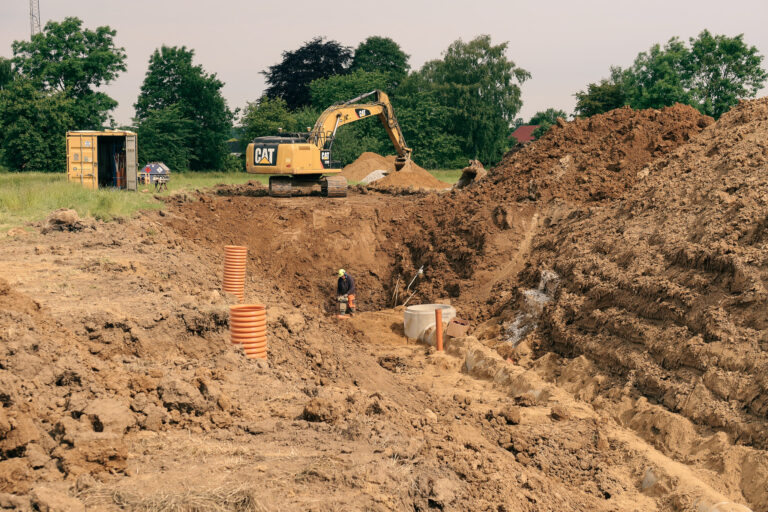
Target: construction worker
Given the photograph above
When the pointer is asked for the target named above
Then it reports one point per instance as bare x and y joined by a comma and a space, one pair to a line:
345, 288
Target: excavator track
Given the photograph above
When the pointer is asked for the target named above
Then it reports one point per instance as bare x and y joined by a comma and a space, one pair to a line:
280, 186
334, 186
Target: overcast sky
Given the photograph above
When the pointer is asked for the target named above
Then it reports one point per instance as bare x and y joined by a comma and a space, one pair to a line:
565, 44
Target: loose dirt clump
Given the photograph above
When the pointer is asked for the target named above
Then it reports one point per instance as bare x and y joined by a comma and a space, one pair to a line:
250, 189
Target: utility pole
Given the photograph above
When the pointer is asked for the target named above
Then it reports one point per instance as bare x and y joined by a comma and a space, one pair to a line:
34, 17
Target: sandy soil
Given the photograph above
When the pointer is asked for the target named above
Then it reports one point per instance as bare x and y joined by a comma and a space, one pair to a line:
410, 177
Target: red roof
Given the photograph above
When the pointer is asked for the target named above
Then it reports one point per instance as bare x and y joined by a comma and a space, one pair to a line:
524, 133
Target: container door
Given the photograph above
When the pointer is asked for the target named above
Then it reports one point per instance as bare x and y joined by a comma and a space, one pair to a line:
130, 162
81, 160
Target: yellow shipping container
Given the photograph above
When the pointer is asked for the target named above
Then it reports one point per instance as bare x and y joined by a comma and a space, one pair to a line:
102, 158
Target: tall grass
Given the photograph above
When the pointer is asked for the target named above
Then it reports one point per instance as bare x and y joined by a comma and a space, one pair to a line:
28, 197
31, 196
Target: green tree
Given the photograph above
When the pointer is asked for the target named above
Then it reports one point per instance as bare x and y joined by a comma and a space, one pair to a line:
305, 118
66, 57
549, 116
427, 125
34, 124
382, 55
172, 80
51, 87
601, 97
355, 138
6, 72
545, 120
723, 70
165, 136
267, 116
480, 86
315, 59
327, 91
711, 73
660, 76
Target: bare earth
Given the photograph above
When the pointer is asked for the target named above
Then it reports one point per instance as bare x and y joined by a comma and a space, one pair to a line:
616, 360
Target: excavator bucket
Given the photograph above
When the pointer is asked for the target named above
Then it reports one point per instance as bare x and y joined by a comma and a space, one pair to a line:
473, 172
400, 162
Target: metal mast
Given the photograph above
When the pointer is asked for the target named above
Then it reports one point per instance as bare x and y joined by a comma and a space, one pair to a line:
34, 17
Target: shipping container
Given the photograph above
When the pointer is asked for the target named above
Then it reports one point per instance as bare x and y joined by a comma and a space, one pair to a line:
102, 159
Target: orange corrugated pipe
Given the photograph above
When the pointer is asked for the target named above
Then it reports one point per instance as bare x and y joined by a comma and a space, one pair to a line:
235, 257
439, 329
248, 327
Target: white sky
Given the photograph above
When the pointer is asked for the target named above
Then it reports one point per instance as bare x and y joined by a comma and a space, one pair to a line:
565, 44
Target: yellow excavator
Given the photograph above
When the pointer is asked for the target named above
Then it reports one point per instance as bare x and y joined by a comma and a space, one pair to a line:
301, 163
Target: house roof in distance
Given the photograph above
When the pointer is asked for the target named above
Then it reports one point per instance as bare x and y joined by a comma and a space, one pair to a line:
524, 133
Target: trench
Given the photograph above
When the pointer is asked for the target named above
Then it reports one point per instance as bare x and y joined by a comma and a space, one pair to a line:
299, 243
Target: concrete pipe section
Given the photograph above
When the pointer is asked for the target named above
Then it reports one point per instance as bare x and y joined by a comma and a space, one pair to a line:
419, 318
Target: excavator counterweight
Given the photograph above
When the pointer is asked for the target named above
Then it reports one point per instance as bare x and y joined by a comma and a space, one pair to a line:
301, 164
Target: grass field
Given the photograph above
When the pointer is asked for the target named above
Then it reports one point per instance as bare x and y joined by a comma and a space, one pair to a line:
447, 175
30, 197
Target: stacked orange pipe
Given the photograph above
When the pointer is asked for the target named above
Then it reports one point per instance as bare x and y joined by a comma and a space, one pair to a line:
248, 327
234, 270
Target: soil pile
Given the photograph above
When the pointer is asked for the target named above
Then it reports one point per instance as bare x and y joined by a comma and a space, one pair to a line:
365, 165
593, 159
584, 161
410, 176
666, 290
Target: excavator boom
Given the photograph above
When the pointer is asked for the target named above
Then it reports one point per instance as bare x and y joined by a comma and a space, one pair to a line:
338, 115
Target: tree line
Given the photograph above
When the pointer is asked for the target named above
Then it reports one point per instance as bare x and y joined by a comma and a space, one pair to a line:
458, 107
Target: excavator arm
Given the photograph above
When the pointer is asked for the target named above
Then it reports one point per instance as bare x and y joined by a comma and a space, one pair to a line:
335, 116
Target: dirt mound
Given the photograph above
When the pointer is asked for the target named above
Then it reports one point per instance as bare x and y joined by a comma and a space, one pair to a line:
595, 158
666, 290
365, 165
577, 162
411, 175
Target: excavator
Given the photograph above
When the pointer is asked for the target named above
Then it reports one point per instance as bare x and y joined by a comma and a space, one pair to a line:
300, 164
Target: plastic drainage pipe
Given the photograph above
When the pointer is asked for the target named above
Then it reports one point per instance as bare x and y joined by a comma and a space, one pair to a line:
248, 327
235, 258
